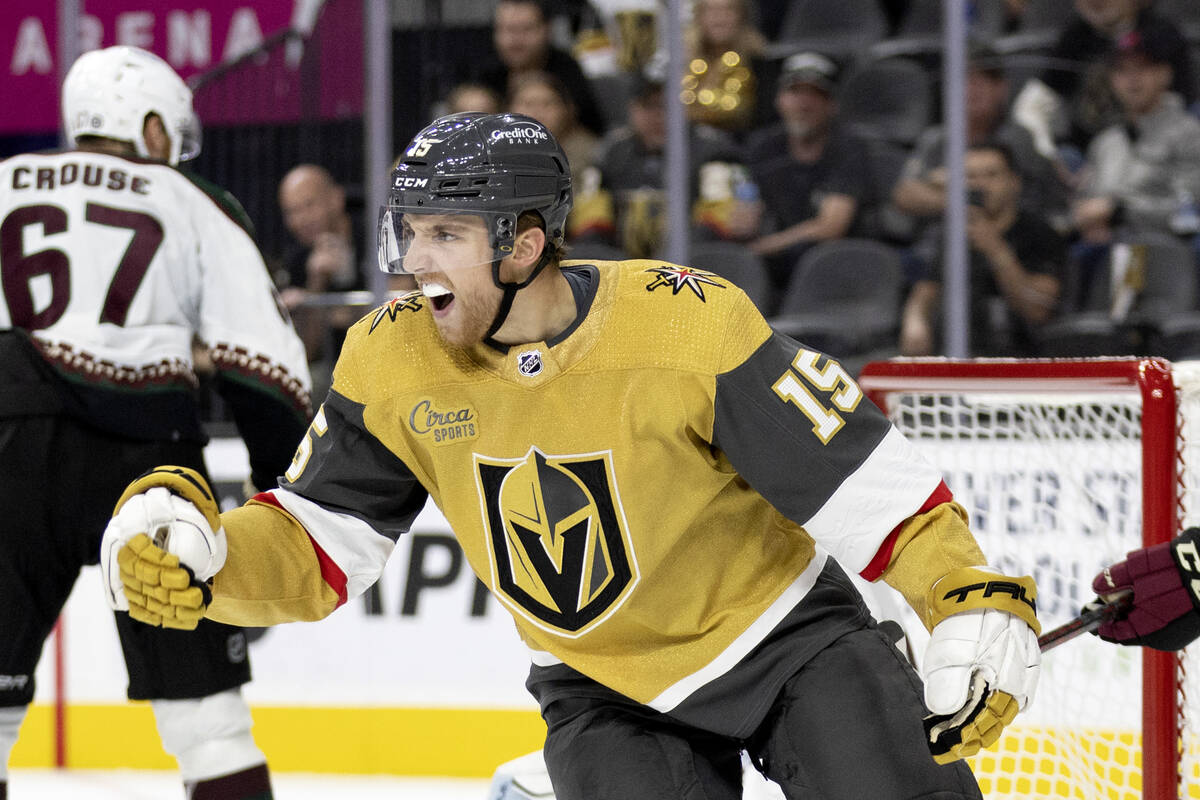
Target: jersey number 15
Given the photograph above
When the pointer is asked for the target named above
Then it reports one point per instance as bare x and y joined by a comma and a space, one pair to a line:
793, 387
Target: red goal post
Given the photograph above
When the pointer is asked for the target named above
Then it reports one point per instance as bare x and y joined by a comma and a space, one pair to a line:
1044, 455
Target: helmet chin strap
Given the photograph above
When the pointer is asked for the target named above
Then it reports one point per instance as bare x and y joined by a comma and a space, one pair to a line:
510, 293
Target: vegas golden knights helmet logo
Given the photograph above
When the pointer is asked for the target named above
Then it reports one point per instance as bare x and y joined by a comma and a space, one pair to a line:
560, 548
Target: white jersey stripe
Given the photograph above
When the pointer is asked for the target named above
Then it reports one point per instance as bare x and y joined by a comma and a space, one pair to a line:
889, 487
358, 550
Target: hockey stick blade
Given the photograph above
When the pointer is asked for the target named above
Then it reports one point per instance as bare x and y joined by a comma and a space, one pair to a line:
1088, 620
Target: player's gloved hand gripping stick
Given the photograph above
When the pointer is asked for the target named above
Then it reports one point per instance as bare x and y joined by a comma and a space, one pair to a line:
982, 662
164, 542
1153, 596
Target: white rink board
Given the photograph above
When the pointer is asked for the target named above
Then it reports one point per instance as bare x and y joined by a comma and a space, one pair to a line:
436, 656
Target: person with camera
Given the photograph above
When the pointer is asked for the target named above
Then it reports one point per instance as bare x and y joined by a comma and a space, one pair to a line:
1016, 266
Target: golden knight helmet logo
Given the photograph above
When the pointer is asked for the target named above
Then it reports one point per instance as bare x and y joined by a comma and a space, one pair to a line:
561, 553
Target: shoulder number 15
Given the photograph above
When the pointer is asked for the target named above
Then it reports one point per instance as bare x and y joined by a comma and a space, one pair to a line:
793, 387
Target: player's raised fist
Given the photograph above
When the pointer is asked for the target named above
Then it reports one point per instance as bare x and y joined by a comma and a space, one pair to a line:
164, 542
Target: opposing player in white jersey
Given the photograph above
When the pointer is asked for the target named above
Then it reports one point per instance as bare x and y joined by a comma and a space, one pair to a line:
665, 494
113, 263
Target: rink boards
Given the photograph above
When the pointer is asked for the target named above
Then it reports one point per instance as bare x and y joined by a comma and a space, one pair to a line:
424, 676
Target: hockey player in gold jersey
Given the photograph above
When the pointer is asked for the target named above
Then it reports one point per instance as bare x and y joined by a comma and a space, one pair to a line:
664, 493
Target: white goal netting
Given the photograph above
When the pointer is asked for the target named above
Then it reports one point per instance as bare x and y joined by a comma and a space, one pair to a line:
1050, 468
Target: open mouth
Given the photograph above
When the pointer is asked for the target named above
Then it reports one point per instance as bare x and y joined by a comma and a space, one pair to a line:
438, 295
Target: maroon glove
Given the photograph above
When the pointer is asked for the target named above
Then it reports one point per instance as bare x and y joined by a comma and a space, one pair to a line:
1165, 581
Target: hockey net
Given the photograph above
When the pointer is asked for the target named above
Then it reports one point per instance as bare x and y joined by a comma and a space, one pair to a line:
1064, 466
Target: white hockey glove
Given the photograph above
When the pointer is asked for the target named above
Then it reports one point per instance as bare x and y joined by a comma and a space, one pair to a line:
524, 778
164, 542
982, 662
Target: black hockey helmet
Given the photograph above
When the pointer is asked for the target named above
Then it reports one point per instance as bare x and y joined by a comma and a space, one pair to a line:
495, 166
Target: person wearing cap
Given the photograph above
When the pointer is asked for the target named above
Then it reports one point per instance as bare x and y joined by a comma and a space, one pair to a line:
621, 200
920, 190
811, 174
1138, 171
1071, 100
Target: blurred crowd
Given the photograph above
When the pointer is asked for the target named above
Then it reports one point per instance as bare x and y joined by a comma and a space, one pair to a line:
816, 174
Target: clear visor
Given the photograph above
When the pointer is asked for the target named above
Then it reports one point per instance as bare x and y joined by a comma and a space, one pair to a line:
189, 137
434, 240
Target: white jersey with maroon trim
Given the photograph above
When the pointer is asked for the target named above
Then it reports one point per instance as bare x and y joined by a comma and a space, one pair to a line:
114, 263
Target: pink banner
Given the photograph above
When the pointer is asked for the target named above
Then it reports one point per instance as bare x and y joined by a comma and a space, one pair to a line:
195, 38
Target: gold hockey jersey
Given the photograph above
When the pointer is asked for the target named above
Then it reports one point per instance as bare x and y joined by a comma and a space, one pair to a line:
651, 494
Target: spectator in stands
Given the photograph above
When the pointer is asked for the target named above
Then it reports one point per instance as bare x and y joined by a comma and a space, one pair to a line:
727, 83
1140, 171
543, 97
521, 37
1068, 105
327, 247
1016, 266
632, 30
620, 201
810, 173
471, 96
324, 257
921, 189
1014, 10
1142, 174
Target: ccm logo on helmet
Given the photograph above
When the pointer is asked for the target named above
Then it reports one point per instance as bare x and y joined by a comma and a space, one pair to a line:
1016, 590
527, 132
410, 183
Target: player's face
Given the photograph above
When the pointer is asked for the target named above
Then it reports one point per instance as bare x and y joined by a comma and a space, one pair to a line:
450, 257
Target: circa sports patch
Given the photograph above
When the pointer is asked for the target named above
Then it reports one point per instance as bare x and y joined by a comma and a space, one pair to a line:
442, 423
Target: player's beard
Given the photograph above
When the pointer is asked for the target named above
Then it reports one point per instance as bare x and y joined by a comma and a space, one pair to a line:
475, 306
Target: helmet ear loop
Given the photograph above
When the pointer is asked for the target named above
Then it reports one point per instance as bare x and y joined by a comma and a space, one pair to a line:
505, 236
510, 289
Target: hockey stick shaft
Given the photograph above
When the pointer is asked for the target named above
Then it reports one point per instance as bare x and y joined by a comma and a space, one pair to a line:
1088, 620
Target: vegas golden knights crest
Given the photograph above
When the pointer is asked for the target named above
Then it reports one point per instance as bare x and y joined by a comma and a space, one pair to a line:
560, 548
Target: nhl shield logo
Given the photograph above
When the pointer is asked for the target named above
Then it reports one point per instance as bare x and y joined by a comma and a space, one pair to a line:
561, 553
529, 363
